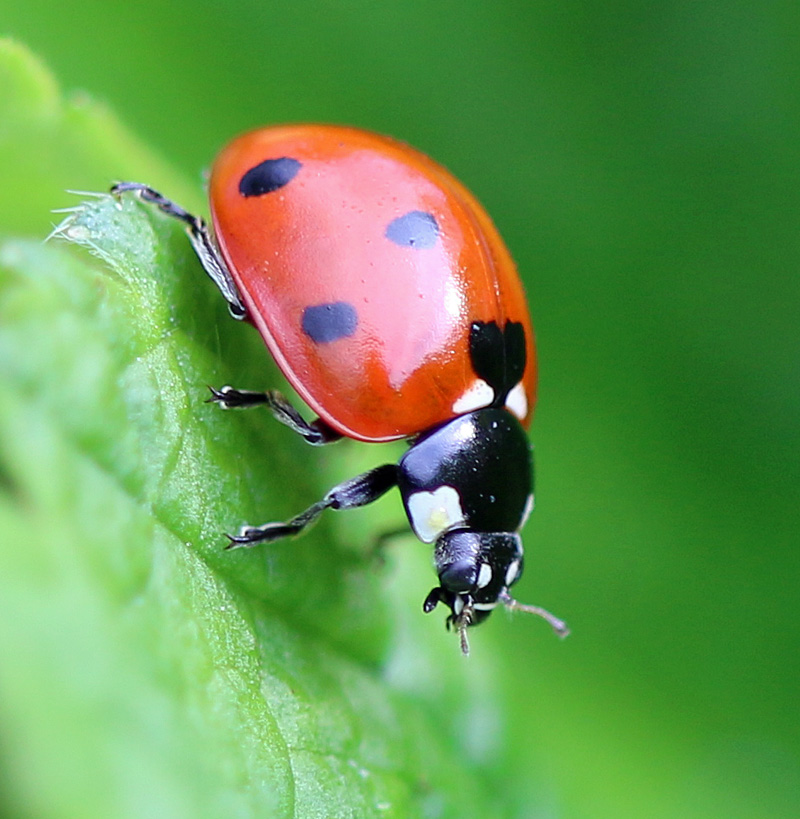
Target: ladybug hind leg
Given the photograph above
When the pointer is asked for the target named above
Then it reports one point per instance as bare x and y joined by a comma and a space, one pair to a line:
350, 494
316, 433
201, 240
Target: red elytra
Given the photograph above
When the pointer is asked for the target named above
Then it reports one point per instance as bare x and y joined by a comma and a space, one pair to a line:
400, 363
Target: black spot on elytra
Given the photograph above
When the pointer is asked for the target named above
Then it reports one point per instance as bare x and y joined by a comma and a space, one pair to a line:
498, 356
269, 176
329, 322
417, 229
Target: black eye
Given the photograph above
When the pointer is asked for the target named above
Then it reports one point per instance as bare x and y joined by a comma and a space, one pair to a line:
460, 576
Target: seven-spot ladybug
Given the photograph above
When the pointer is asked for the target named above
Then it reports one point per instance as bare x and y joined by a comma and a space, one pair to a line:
393, 307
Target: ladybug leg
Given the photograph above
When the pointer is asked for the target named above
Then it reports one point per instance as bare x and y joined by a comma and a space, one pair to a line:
317, 432
200, 238
358, 491
558, 625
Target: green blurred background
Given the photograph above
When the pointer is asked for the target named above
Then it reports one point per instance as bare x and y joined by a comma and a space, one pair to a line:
641, 160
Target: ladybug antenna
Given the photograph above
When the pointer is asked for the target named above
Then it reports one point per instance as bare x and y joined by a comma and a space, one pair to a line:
462, 623
558, 626
462, 626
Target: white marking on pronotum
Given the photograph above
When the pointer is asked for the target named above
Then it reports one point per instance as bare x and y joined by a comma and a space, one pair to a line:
431, 513
512, 573
517, 401
478, 395
484, 575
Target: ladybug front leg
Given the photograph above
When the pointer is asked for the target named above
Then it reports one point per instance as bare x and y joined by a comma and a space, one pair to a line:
317, 432
200, 238
358, 491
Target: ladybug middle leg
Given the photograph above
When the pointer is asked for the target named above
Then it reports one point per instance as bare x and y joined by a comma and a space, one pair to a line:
350, 494
317, 432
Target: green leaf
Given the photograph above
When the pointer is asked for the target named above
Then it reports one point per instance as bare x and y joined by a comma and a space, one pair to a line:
146, 671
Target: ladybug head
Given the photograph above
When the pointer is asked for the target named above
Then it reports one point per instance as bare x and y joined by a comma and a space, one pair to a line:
476, 570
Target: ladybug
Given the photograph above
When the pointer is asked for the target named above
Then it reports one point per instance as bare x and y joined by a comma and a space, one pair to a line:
393, 307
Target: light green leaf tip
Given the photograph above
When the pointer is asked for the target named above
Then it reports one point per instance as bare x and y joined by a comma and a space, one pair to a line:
146, 672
